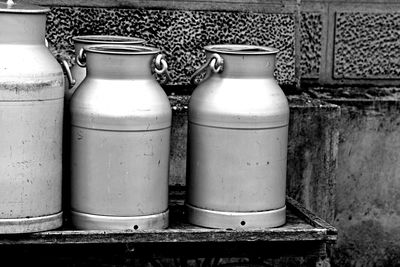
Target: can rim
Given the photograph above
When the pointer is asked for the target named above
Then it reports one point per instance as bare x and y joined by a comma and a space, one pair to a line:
107, 39
239, 49
22, 8
121, 49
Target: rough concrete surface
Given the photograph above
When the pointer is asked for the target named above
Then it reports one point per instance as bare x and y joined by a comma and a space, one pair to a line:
311, 46
179, 34
312, 153
368, 184
367, 45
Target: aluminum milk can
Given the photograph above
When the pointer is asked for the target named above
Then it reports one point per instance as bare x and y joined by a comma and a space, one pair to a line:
237, 141
75, 76
121, 123
31, 114
78, 73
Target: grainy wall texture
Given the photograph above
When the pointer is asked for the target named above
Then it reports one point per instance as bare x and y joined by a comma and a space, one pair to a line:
325, 42
181, 35
311, 46
355, 42
367, 45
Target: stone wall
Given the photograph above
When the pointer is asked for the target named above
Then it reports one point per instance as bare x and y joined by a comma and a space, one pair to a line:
324, 42
180, 34
352, 42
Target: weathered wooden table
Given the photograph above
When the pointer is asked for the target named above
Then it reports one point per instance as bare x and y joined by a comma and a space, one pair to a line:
304, 234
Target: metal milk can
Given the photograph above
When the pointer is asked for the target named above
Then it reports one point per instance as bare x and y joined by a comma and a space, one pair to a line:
78, 73
75, 76
31, 117
237, 141
121, 123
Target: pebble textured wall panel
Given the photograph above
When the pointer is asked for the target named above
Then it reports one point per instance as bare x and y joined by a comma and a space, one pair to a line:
181, 35
367, 46
311, 34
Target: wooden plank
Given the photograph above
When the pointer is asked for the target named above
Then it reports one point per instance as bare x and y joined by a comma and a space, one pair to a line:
99, 254
170, 236
301, 226
274, 6
310, 217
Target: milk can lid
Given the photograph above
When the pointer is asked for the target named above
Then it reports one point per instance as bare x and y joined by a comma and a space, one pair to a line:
12, 7
121, 49
234, 49
107, 39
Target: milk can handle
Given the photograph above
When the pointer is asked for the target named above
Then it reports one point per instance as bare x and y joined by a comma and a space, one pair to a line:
215, 63
64, 65
67, 69
81, 58
161, 67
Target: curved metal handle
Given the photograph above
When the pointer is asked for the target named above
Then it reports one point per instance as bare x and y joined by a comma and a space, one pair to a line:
81, 58
67, 69
215, 63
161, 67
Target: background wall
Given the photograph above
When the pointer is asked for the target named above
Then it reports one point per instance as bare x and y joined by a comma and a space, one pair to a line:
180, 34
323, 42
368, 184
355, 42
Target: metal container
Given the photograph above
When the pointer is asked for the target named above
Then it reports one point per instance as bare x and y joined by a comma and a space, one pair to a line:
78, 73
237, 141
75, 76
121, 123
31, 108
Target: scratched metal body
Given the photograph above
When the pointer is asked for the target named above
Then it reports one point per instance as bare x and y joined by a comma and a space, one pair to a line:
31, 114
121, 122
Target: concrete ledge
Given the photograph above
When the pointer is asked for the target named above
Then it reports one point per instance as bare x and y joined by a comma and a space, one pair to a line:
368, 175
367, 209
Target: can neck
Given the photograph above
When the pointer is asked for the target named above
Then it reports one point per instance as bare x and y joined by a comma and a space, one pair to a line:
79, 43
248, 66
17, 28
109, 66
